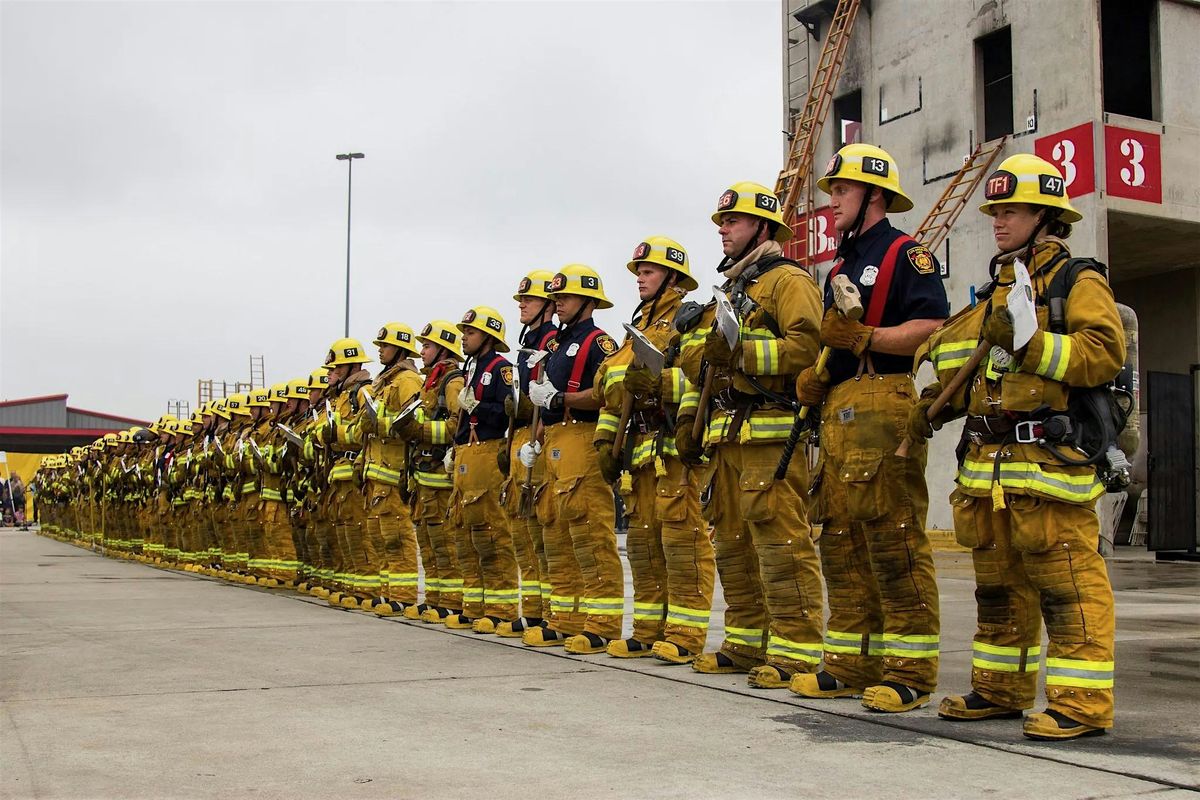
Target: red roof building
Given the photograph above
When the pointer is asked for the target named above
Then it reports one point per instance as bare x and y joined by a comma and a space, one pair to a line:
48, 425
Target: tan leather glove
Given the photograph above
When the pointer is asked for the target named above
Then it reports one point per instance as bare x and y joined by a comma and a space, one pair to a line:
842, 333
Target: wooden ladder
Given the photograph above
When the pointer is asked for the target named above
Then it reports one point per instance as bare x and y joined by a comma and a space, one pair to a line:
794, 177
945, 211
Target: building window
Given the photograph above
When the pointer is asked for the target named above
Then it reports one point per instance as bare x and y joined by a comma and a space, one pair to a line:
1127, 46
847, 115
994, 53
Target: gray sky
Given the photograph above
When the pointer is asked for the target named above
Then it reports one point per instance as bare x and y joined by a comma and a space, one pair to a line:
170, 203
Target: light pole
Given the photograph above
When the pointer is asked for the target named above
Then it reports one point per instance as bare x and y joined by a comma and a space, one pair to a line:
349, 159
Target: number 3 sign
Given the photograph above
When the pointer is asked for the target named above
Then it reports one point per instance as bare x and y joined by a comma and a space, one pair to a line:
1133, 164
1072, 152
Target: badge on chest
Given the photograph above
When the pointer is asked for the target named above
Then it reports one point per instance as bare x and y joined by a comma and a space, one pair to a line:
869, 275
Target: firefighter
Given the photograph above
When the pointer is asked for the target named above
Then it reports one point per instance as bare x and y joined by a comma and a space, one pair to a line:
881, 640
526, 484
429, 433
670, 555
1026, 502
587, 591
486, 555
390, 537
769, 569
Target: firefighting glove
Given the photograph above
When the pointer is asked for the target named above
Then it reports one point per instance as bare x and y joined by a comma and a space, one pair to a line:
920, 427
639, 382
691, 451
842, 333
812, 386
504, 460
448, 461
610, 465
998, 328
717, 351
529, 453
543, 393
522, 411
466, 399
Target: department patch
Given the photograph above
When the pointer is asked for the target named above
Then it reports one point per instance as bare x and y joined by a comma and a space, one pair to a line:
921, 259
608, 345
552, 346
506, 375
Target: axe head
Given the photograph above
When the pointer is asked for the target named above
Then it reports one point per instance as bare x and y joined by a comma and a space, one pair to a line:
727, 321
645, 353
847, 297
369, 404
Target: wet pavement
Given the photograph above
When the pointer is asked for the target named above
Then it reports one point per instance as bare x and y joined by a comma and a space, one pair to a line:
122, 680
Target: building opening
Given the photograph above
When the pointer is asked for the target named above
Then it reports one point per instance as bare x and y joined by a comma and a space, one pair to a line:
847, 111
994, 53
1127, 42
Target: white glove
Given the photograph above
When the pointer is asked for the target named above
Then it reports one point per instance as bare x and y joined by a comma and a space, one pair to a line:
466, 399
448, 461
529, 453
542, 394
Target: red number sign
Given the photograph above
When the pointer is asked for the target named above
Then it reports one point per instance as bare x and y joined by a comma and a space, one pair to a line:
1132, 164
821, 234
1074, 155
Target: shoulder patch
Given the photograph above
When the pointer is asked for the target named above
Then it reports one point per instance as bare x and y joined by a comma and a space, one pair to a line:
921, 259
607, 344
552, 346
506, 375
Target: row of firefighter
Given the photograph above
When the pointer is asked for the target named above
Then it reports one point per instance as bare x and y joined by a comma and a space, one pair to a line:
491, 473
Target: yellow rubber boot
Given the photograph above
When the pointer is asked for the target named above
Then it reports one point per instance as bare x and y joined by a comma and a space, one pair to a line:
717, 664
586, 644
628, 648
1053, 726
973, 707
893, 698
821, 686
543, 637
672, 653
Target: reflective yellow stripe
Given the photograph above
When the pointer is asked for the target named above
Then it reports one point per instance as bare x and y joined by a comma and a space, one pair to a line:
402, 578
437, 432
910, 645
852, 643
435, 480
615, 374
750, 637
604, 606
377, 472
952, 355
271, 494
607, 422
1077, 672
562, 603
1031, 476
676, 384
1005, 659
764, 358
798, 651
341, 472
763, 426
1056, 356
651, 611
689, 617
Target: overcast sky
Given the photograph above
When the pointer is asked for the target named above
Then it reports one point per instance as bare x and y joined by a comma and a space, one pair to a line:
170, 203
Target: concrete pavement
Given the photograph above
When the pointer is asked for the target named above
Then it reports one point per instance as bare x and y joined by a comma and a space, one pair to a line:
122, 680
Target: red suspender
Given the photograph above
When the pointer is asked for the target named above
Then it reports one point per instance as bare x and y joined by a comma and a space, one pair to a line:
479, 387
536, 372
581, 359
883, 283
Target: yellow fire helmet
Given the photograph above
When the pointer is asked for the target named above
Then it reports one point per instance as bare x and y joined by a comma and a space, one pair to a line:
400, 335
238, 404
162, 423
582, 281
346, 351
219, 408
486, 319
319, 379
535, 284
183, 427
278, 393
757, 201
867, 163
441, 333
297, 388
258, 397
1025, 178
665, 253
112, 439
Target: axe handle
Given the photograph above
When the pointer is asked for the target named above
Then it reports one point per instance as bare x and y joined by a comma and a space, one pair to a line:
951, 388
626, 413
702, 410
789, 447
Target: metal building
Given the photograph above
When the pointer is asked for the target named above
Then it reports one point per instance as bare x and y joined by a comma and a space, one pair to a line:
1103, 88
48, 425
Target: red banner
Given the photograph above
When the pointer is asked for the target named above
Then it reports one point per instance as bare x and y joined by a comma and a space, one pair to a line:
1074, 154
822, 237
1132, 164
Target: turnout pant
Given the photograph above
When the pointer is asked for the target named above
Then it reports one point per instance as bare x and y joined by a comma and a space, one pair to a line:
486, 553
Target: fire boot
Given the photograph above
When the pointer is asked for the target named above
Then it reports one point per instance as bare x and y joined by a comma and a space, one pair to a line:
586, 644
517, 628
629, 648
973, 707
822, 685
1053, 726
672, 653
893, 698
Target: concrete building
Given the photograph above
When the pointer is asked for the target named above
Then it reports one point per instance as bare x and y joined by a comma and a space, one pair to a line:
1103, 88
